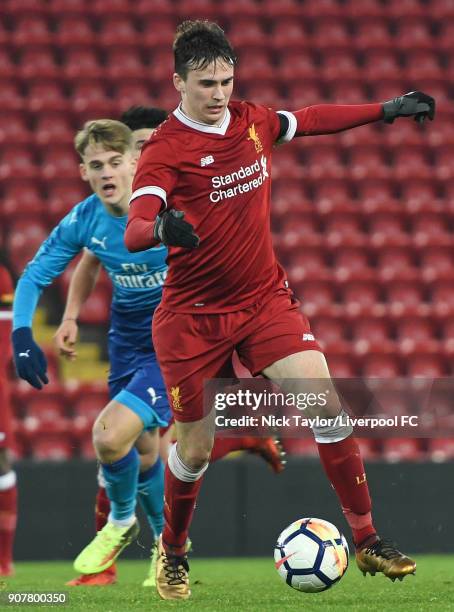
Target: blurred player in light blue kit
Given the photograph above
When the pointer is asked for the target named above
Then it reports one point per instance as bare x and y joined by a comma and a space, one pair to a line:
139, 400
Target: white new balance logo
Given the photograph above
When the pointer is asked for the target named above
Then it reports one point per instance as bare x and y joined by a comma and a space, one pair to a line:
264, 170
206, 161
101, 243
307, 337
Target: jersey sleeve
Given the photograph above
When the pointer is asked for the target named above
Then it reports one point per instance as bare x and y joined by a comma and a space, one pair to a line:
56, 252
326, 119
156, 172
281, 124
53, 256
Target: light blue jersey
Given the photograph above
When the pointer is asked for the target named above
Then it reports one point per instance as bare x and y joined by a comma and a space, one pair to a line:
137, 280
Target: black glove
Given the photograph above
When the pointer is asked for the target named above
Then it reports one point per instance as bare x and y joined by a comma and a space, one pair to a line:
171, 229
413, 104
30, 362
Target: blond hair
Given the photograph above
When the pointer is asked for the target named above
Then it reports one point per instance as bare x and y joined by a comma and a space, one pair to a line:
112, 135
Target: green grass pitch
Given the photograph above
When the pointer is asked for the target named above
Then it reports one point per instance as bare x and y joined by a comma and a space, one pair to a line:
242, 585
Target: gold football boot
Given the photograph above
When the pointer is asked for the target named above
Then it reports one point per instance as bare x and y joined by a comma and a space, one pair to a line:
172, 574
383, 556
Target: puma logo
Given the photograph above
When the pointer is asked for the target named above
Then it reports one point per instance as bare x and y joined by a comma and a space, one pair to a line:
26, 354
102, 243
153, 397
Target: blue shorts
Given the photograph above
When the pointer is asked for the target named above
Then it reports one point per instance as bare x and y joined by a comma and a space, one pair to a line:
135, 379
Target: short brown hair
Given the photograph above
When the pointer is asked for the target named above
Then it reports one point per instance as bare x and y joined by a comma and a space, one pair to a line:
199, 43
112, 135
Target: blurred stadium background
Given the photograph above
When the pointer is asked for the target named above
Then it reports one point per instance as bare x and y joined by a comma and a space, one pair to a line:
363, 221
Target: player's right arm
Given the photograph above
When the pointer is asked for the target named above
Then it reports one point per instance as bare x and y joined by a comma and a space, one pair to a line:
146, 227
151, 221
83, 281
49, 262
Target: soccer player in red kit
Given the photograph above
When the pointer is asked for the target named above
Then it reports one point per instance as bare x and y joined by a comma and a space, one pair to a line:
8, 489
210, 162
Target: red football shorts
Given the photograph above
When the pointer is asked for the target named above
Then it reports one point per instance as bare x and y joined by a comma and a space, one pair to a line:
5, 415
193, 348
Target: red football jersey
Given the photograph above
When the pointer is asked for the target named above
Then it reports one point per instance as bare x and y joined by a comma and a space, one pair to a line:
221, 178
6, 316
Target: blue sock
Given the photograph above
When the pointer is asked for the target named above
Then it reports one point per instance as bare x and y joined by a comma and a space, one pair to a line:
121, 484
151, 495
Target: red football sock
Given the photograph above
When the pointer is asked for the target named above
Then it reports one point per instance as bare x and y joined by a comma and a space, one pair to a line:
345, 469
179, 504
102, 508
224, 446
8, 520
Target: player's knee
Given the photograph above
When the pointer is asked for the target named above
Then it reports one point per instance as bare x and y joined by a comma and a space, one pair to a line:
105, 440
195, 456
196, 459
196, 453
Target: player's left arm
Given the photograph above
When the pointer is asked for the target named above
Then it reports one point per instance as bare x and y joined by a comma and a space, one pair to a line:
332, 118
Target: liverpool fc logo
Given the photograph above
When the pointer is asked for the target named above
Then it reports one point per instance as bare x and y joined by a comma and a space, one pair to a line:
176, 399
255, 138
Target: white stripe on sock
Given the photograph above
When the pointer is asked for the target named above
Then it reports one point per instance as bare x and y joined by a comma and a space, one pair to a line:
180, 470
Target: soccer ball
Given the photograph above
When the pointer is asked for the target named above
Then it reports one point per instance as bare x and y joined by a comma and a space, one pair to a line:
311, 555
